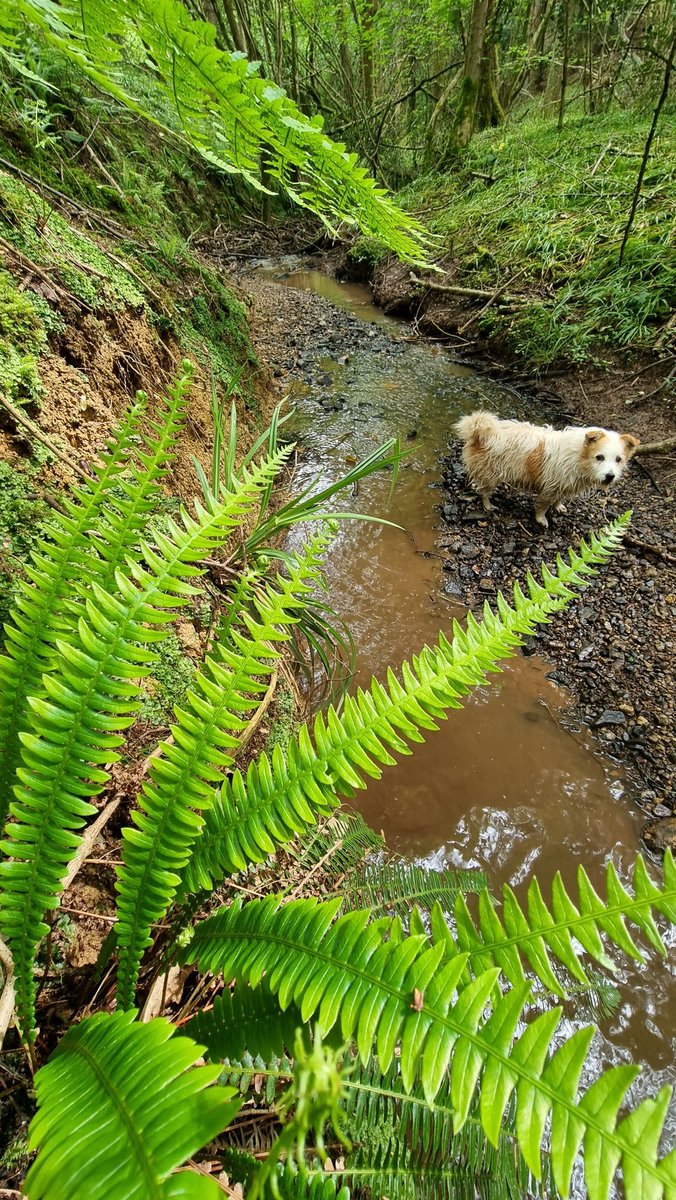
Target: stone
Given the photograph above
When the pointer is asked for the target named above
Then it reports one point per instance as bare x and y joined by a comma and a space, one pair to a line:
660, 835
611, 716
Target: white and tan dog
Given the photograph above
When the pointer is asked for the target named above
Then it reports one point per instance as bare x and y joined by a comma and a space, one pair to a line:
555, 464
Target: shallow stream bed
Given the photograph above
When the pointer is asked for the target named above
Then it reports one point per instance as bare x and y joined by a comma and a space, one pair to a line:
510, 783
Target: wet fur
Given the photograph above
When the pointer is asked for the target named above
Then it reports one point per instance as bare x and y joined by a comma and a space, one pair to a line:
555, 464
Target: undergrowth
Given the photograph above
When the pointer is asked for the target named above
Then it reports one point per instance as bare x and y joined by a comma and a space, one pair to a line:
550, 208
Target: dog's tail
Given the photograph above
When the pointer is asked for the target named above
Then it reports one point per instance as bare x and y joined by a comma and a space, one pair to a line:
477, 427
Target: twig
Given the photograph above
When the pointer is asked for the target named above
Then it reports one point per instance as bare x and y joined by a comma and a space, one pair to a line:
475, 293
657, 550
42, 273
81, 912
7, 995
106, 174
662, 447
258, 715
313, 870
88, 840
497, 295
42, 437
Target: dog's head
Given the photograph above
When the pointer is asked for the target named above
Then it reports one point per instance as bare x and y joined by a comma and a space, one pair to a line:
605, 454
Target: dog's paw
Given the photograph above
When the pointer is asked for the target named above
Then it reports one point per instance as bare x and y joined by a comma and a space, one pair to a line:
560, 508
542, 520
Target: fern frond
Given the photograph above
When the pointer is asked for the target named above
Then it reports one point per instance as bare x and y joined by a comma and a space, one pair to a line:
387, 990
400, 886
340, 843
120, 1106
205, 738
284, 795
245, 1020
55, 570
76, 731
293, 1184
543, 933
115, 509
218, 103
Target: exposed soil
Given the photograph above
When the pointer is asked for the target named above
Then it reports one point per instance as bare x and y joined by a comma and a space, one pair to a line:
614, 649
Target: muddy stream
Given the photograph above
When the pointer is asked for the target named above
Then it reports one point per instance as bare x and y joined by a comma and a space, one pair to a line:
509, 783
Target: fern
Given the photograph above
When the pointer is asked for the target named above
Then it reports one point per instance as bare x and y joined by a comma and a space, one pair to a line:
77, 729
387, 990
400, 885
245, 1020
60, 563
101, 525
204, 741
540, 934
121, 1106
284, 795
219, 104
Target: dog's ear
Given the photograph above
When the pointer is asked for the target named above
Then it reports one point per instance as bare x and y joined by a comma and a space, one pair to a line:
630, 443
593, 435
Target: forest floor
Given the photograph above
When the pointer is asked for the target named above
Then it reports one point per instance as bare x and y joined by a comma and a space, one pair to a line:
614, 650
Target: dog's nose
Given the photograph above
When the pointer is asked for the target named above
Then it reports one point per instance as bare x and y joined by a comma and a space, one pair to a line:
608, 477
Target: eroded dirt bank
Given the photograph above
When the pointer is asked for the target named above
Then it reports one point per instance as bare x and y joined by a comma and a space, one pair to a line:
614, 649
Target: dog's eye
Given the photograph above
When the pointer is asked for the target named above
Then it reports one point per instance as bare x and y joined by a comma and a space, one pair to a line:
618, 459
599, 457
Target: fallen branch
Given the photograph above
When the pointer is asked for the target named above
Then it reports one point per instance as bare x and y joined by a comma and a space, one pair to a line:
7, 995
474, 293
652, 549
662, 447
88, 840
497, 295
35, 430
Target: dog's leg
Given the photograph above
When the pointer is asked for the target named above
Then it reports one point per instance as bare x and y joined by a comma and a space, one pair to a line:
486, 494
560, 507
542, 503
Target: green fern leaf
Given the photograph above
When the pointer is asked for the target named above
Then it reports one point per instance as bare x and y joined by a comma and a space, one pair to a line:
117, 505
541, 934
204, 741
245, 1020
366, 977
217, 103
120, 1106
55, 570
76, 731
285, 795
400, 886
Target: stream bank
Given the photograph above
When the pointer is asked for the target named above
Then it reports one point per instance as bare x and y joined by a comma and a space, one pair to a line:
614, 649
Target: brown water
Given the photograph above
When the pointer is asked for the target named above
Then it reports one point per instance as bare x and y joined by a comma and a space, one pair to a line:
509, 783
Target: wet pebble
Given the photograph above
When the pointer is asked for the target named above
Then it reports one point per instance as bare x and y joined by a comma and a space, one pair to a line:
660, 835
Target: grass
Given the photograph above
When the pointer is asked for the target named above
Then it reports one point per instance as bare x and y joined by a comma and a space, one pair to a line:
551, 208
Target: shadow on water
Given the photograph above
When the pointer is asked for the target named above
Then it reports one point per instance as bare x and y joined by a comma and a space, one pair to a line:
506, 783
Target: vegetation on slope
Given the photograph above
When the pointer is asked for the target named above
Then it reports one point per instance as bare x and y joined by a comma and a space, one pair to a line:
541, 213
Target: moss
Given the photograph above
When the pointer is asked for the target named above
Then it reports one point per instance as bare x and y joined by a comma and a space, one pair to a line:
282, 725
23, 520
48, 239
170, 680
212, 326
23, 338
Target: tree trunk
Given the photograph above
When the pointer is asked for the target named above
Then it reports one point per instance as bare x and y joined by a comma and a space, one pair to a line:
564, 64
367, 52
469, 88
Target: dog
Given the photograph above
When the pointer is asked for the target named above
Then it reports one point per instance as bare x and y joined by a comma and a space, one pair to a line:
555, 464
